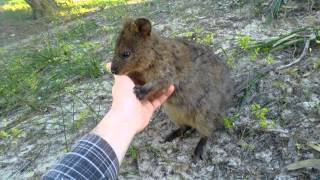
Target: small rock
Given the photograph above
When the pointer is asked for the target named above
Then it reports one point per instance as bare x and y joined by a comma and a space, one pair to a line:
287, 114
234, 162
219, 155
311, 20
158, 171
265, 156
313, 120
283, 177
145, 165
210, 168
308, 156
308, 106
276, 165
26, 150
224, 138
183, 159
289, 90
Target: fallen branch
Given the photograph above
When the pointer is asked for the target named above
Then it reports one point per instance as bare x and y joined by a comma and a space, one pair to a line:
315, 163
304, 52
314, 146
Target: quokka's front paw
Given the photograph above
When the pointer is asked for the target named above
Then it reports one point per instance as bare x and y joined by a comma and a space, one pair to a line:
140, 92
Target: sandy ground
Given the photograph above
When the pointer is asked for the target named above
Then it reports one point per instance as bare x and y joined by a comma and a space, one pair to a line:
246, 151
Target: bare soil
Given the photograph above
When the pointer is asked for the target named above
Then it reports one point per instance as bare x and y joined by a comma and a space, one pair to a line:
246, 151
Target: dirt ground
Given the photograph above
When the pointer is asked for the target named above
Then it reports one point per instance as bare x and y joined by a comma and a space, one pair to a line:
246, 151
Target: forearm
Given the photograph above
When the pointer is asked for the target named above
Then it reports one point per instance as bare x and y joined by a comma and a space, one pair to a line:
90, 158
113, 129
97, 155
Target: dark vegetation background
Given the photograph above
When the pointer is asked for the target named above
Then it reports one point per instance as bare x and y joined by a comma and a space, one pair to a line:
54, 86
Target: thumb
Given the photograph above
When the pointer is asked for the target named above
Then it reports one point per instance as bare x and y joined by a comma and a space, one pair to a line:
162, 98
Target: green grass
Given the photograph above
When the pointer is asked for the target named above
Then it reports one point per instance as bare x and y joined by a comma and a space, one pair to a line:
82, 7
79, 31
13, 11
34, 75
199, 35
18, 10
16, 21
259, 114
262, 49
275, 8
133, 152
290, 39
243, 42
228, 121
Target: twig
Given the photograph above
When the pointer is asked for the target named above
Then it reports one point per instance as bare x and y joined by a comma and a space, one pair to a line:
86, 103
64, 124
315, 163
283, 131
304, 52
28, 163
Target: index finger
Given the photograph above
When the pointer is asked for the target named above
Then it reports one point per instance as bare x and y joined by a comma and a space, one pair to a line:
108, 66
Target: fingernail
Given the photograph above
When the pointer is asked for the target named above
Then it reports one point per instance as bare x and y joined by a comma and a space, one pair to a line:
108, 66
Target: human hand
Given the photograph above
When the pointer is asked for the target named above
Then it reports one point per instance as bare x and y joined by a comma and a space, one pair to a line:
127, 116
132, 112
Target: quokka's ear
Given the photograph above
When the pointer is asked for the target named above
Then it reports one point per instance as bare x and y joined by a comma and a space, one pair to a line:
143, 27
129, 25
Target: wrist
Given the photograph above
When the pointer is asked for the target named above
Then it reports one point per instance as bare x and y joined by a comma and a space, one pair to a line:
117, 133
120, 121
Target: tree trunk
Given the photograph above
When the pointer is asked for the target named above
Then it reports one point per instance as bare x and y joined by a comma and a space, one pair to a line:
42, 8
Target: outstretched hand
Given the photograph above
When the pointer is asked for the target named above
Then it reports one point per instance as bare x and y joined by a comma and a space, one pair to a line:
125, 103
128, 115
135, 112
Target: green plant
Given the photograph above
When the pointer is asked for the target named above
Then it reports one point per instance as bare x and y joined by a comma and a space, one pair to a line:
228, 121
133, 152
206, 38
14, 11
269, 59
254, 54
298, 148
15, 132
275, 8
260, 114
246, 146
243, 42
3, 135
230, 62
83, 117
278, 84
33, 77
12, 134
200, 36
298, 36
82, 30
230, 58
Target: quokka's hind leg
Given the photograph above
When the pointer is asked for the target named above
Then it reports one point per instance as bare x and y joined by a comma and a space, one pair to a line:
176, 133
198, 152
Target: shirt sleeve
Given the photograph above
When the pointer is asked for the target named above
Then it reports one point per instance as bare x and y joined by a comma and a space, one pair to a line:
91, 158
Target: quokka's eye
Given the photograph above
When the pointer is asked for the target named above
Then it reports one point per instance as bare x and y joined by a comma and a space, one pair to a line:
126, 54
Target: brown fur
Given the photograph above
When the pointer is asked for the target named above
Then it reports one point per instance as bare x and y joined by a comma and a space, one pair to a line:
203, 88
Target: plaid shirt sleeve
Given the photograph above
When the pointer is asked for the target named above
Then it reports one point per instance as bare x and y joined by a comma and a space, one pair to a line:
91, 158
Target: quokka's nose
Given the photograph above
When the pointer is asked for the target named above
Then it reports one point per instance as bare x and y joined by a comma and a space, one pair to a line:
114, 70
